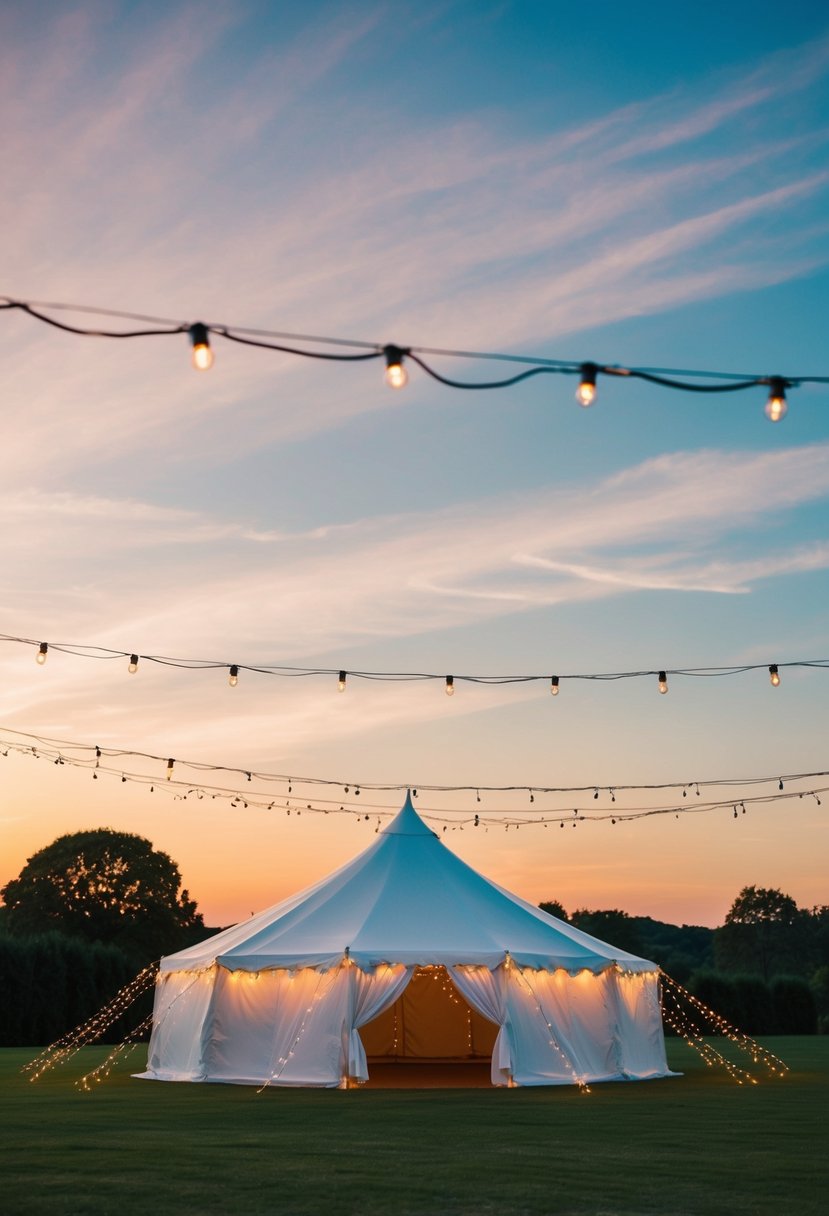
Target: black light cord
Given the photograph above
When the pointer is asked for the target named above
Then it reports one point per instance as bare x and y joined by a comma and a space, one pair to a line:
294, 350
343, 674
91, 333
482, 384
274, 340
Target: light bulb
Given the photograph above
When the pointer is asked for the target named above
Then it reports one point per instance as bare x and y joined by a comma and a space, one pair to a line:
396, 374
586, 392
663, 682
233, 677
341, 682
202, 354
554, 685
774, 675
450, 686
133, 667
170, 764
40, 657
776, 407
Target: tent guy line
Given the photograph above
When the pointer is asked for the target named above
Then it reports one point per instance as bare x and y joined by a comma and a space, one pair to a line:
135, 658
395, 355
60, 753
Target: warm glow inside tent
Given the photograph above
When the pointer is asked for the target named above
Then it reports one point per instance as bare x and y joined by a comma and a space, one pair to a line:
404, 954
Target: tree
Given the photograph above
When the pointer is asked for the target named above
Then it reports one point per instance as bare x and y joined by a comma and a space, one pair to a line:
678, 949
553, 908
609, 925
105, 886
795, 1010
765, 933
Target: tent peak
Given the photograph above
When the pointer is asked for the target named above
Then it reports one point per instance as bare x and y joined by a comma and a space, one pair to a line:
407, 822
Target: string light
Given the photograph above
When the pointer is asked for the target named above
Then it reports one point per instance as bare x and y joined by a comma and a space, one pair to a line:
774, 675
127, 1045
89, 756
202, 352
341, 681
396, 374
450, 686
283, 1061
586, 392
133, 664
663, 682
89, 1031
80, 650
233, 675
684, 380
776, 407
513, 968
450, 817
681, 1009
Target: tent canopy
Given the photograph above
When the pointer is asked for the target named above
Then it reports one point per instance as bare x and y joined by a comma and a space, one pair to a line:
406, 899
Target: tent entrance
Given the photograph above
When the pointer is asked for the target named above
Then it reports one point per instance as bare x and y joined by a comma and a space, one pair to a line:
430, 1022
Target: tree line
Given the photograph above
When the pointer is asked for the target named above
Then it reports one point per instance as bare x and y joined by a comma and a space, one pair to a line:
90, 910
766, 969
85, 914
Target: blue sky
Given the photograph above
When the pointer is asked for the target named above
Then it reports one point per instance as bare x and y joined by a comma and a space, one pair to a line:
638, 186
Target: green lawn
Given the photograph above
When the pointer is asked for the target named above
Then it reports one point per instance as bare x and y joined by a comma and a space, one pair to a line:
698, 1144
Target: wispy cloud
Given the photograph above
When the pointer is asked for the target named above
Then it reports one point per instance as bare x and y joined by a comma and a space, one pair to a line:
139, 193
659, 525
629, 579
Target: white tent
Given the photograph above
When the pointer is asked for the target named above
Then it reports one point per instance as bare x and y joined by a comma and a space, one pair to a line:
411, 954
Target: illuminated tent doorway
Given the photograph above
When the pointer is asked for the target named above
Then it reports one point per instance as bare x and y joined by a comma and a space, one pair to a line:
304, 993
429, 1036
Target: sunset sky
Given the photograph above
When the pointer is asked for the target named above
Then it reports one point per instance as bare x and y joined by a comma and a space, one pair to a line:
621, 183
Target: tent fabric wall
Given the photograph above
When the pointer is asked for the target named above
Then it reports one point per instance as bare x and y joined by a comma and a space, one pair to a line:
181, 1001
274, 1027
280, 999
641, 1039
302, 1027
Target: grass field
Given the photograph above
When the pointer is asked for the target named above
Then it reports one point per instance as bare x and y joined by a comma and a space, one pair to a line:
697, 1145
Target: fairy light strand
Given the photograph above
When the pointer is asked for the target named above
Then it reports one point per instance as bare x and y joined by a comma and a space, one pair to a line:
342, 674
127, 1045
90, 1030
130, 1041
396, 354
553, 1038
348, 797
684, 1012
283, 1061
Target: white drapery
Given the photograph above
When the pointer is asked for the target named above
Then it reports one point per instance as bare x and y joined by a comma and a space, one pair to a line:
486, 992
371, 993
181, 1001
